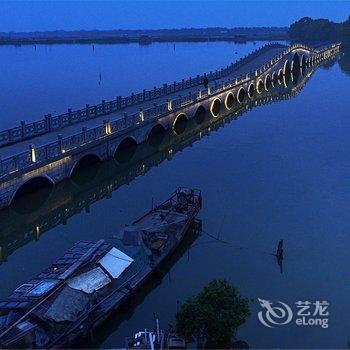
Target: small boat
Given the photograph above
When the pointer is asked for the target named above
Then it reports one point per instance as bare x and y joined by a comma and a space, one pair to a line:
77, 293
155, 339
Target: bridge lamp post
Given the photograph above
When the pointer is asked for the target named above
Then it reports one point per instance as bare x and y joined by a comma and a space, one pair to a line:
107, 127
32, 153
169, 105
141, 115
37, 230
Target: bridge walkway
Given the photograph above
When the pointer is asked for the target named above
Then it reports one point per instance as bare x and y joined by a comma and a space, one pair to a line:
246, 67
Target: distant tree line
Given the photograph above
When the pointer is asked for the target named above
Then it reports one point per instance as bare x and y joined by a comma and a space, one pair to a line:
308, 29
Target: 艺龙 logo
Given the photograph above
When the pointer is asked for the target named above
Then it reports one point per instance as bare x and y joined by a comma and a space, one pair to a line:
274, 315
307, 314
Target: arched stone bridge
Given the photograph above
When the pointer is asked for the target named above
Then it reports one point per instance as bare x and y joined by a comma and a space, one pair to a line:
21, 225
53, 149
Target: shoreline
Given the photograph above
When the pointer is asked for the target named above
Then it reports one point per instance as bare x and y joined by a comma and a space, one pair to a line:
114, 41
142, 38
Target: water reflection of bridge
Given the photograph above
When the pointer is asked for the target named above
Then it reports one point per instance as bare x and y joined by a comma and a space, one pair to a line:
20, 225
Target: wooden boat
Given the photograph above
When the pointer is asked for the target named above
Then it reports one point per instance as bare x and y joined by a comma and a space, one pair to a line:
155, 339
72, 297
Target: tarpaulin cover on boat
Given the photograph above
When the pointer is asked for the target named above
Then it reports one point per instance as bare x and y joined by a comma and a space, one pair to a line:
162, 221
68, 305
131, 235
43, 287
89, 281
115, 262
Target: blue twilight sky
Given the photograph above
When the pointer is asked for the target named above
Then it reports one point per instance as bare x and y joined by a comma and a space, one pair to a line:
33, 15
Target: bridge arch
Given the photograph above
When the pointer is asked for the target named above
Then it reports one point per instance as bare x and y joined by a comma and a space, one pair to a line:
156, 135
200, 114
303, 62
287, 79
241, 95
125, 150
280, 76
267, 82
287, 68
179, 124
251, 90
84, 162
229, 100
215, 107
295, 63
274, 79
259, 86
31, 186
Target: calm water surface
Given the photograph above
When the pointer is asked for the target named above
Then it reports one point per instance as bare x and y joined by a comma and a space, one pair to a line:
50, 79
281, 171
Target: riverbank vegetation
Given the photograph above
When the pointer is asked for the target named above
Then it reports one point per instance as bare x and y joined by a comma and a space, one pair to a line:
213, 316
310, 30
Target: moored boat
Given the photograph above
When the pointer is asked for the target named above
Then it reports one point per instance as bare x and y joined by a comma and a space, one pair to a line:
91, 280
156, 339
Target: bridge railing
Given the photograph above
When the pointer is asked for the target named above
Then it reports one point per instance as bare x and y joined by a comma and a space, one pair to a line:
55, 150
54, 123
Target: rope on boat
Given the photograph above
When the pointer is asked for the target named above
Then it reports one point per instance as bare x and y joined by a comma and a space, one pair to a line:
219, 240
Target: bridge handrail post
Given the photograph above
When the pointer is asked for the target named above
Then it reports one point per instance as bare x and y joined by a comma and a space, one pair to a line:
60, 142
119, 101
48, 122
69, 117
125, 119
87, 111
84, 132
103, 107
23, 129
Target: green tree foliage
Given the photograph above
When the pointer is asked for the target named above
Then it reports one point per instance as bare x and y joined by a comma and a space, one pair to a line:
345, 33
308, 29
214, 315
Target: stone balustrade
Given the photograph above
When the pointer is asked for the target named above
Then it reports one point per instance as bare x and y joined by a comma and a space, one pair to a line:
63, 146
52, 123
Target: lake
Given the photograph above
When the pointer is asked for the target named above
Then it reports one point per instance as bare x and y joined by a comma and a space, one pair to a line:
278, 171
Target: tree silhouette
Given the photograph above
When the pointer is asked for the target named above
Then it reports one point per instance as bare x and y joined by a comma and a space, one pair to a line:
213, 316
